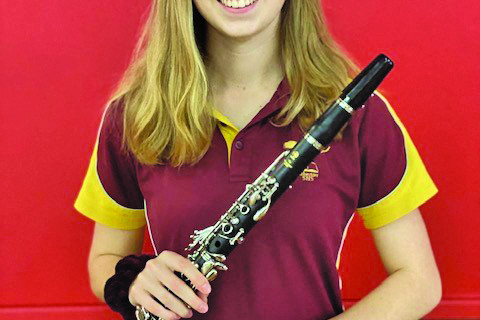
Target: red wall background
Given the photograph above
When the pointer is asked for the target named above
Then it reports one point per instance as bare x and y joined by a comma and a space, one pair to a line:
60, 59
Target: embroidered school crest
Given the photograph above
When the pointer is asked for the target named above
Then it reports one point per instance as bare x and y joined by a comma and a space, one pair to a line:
310, 173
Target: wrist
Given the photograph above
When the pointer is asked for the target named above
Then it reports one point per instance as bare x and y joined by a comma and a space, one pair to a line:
117, 287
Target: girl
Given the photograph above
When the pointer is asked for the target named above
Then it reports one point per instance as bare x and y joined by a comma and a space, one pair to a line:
217, 89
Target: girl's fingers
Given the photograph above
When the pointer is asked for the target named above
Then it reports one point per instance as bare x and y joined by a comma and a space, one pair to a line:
182, 290
157, 309
171, 302
203, 296
181, 264
160, 278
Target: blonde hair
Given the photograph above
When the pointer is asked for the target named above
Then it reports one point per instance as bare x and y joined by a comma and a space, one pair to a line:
165, 92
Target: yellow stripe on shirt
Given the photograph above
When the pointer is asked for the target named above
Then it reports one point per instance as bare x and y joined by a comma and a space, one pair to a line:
414, 189
95, 203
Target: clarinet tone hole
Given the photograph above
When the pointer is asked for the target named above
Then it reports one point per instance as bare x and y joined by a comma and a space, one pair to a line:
227, 228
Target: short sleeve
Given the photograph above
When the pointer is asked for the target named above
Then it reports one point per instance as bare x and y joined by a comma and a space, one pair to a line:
394, 180
110, 193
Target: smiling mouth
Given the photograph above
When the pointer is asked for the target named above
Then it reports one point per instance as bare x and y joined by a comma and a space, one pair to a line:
237, 4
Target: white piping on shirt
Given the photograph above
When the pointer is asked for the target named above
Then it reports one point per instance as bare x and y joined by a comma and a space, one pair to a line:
149, 229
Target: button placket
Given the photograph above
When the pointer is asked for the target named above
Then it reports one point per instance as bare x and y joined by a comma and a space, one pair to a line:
240, 159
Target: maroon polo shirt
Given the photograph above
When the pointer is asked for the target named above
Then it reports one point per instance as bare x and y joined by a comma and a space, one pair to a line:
287, 266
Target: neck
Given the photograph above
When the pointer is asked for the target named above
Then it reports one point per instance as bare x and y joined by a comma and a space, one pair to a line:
244, 63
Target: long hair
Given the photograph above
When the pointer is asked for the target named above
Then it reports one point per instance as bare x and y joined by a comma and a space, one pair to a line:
166, 95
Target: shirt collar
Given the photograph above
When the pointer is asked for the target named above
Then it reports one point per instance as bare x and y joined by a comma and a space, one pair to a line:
278, 101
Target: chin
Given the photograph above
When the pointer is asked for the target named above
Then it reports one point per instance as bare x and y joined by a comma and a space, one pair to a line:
240, 32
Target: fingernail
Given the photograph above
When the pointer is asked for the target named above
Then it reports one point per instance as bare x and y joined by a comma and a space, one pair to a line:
206, 288
190, 313
203, 308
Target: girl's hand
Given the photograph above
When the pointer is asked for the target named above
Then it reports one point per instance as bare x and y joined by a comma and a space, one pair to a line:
159, 275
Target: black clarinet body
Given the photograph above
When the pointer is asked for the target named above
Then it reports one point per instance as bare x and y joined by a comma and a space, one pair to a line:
211, 246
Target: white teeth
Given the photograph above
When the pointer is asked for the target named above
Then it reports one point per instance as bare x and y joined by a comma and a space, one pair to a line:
237, 3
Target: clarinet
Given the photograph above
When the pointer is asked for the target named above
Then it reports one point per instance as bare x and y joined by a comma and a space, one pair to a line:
214, 243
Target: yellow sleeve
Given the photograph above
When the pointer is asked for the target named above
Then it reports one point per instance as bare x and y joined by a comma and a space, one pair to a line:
414, 188
94, 202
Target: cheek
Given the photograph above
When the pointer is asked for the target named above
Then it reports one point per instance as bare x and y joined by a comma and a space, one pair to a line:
205, 8
202, 6
275, 5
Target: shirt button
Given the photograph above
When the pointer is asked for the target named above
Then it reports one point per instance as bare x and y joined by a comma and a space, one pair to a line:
239, 145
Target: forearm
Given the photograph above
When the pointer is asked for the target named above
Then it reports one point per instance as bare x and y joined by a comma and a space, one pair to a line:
100, 269
402, 295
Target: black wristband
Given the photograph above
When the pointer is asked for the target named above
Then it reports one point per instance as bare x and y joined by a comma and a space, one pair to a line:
116, 287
